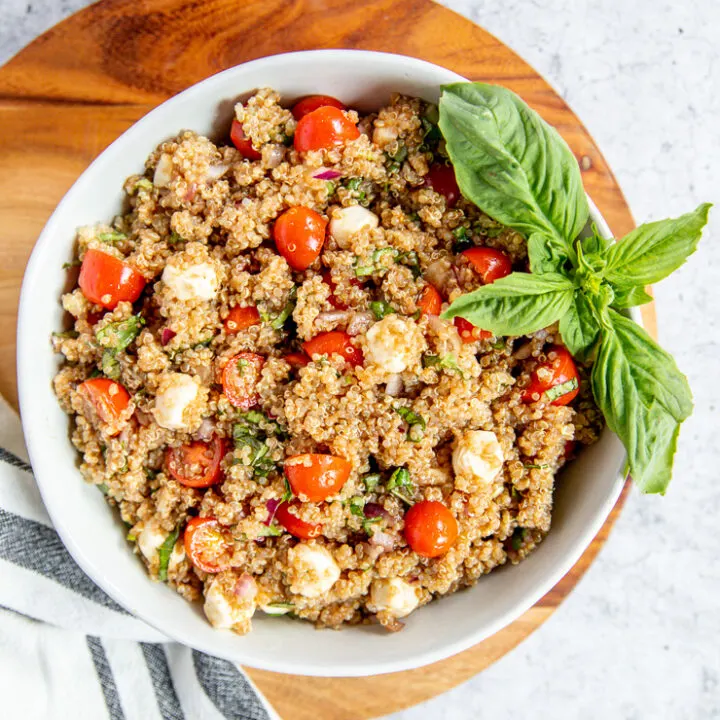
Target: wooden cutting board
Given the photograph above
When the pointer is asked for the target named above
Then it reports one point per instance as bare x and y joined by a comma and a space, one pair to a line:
66, 96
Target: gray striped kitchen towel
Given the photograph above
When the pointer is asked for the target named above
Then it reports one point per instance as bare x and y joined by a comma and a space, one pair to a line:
67, 650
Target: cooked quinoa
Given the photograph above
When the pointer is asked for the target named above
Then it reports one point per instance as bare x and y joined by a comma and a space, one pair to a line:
201, 376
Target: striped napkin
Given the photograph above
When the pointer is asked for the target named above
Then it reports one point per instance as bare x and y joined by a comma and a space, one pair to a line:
67, 650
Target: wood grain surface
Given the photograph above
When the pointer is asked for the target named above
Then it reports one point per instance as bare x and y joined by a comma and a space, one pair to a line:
66, 96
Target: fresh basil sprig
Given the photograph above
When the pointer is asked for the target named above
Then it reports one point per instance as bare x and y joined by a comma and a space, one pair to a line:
520, 172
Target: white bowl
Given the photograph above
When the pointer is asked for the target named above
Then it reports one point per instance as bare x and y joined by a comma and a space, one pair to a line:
92, 531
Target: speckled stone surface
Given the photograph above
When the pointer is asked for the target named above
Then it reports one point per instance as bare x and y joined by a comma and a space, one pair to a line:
640, 636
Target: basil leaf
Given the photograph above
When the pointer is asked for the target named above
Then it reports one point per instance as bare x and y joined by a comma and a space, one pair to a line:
579, 327
546, 256
654, 250
164, 553
513, 165
630, 297
595, 243
117, 336
644, 398
517, 304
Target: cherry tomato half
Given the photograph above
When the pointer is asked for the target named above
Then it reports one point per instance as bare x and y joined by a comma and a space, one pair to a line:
294, 525
430, 528
558, 370
489, 263
108, 399
323, 128
239, 378
242, 142
299, 235
468, 332
105, 280
335, 341
197, 464
317, 476
430, 302
312, 102
441, 178
296, 360
240, 318
207, 545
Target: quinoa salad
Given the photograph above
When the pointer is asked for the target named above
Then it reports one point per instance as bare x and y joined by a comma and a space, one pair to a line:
260, 379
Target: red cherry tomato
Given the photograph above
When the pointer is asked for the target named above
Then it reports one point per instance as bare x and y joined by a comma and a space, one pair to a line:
558, 370
468, 332
242, 142
294, 525
489, 263
324, 128
441, 178
335, 341
430, 528
197, 464
239, 378
207, 545
105, 280
240, 318
296, 360
312, 102
569, 449
317, 476
299, 236
430, 302
108, 399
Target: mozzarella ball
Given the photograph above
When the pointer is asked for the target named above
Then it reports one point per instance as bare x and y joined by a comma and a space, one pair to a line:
394, 596
230, 601
313, 570
175, 402
194, 283
348, 221
477, 455
394, 343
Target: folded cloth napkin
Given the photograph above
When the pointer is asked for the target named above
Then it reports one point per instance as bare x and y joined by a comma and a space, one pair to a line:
67, 650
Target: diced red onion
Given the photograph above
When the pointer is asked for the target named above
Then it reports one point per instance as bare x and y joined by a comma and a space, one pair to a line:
166, 336
334, 316
215, 172
245, 587
190, 194
382, 539
359, 323
373, 510
326, 174
394, 385
272, 505
206, 430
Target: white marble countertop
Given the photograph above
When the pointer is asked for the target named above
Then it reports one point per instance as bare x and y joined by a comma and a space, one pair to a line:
640, 636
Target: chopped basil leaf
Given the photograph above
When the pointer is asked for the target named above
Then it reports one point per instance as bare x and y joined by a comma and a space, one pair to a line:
288, 494
94, 373
518, 538
270, 531
330, 187
380, 309
499, 344
110, 365
67, 334
117, 336
103, 488
175, 238
371, 481
534, 466
112, 237
557, 391
378, 254
131, 537
400, 485
356, 505
71, 264
448, 362
353, 183
412, 261
164, 553
278, 608
279, 321
410, 417
462, 239
143, 184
